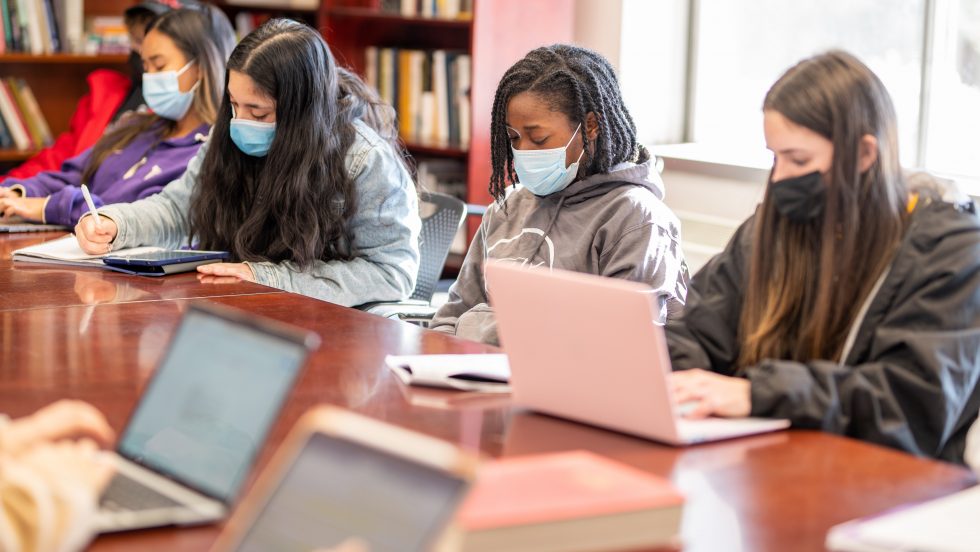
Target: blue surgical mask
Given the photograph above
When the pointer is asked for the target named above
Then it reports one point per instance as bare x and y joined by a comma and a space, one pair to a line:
252, 137
543, 172
162, 93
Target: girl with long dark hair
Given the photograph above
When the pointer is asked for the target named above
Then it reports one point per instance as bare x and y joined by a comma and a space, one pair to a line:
850, 301
302, 181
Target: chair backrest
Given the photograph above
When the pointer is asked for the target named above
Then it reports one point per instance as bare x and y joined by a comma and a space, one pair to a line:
438, 232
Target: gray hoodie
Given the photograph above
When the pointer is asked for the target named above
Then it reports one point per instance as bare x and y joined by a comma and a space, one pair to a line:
612, 224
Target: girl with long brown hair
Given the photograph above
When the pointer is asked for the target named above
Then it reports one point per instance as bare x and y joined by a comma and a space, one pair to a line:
303, 181
850, 301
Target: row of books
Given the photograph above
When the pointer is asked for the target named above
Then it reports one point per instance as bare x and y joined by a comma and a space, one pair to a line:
42, 26
429, 90
440, 9
22, 125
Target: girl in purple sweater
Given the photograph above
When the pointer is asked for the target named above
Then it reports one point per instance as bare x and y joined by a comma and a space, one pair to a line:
184, 55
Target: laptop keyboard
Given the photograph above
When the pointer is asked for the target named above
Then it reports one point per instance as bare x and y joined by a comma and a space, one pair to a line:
125, 494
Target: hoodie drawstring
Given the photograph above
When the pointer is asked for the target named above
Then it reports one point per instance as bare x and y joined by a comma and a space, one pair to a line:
544, 236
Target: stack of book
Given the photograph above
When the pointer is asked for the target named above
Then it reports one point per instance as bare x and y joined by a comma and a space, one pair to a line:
441, 9
22, 125
42, 26
429, 90
564, 502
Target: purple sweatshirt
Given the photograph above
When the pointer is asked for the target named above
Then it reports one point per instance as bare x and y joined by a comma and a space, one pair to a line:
131, 173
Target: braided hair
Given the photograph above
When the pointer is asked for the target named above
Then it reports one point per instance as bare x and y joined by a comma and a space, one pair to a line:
575, 81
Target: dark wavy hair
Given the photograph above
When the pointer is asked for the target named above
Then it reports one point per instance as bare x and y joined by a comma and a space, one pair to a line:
294, 204
202, 34
575, 81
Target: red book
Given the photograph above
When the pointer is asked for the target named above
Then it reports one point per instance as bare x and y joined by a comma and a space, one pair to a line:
567, 501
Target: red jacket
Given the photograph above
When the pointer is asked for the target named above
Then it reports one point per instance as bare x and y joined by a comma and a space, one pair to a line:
107, 91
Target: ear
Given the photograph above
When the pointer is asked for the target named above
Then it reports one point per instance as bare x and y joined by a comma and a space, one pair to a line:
867, 152
591, 126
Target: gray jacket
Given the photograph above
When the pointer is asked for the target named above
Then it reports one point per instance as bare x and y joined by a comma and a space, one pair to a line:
909, 379
612, 224
385, 228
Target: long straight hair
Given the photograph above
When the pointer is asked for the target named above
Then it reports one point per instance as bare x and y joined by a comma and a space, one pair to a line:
202, 34
807, 280
294, 204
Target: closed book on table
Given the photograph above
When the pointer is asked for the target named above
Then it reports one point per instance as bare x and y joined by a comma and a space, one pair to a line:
567, 501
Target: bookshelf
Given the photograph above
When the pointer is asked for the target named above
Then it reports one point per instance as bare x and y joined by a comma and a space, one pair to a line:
495, 35
58, 80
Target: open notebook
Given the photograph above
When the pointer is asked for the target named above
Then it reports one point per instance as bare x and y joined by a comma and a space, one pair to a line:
947, 524
484, 373
65, 251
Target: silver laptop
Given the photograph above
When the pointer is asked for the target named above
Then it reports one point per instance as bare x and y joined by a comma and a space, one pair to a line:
12, 225
341, 476
194, 435
587, 348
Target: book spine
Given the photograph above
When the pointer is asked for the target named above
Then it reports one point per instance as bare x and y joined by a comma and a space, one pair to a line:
34, 109
6, 139
32, 129
441, 94
405, 122
74, 25
32, 22
43, 26
371, 67
53, 29
386, 71
14, 124
5, 23
408, 8
463, 98
452, 102
415, 90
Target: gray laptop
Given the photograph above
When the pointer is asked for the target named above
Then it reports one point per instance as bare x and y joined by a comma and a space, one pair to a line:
194, 435
13, 225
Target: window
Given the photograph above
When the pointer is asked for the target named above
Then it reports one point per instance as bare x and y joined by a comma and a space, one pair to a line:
927, 53
953, 116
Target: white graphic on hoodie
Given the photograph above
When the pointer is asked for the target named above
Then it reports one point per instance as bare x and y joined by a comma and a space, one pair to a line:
525, 261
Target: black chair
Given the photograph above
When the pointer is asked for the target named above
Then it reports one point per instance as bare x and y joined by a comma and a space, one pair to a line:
443, 215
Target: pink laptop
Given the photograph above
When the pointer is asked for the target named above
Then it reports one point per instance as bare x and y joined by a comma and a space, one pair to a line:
587, 348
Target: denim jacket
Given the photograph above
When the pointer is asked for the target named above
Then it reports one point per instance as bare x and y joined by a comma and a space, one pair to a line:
385, 229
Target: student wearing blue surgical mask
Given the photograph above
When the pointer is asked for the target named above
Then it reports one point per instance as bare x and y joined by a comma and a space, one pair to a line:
183, 55
574, 189
302, 181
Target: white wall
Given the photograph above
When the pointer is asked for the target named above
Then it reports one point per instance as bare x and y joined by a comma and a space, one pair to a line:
598, 25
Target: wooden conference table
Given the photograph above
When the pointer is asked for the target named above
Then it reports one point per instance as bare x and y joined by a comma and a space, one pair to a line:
96, 336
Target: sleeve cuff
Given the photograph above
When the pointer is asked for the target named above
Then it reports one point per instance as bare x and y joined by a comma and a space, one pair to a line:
19, 188
265, 274
44, 210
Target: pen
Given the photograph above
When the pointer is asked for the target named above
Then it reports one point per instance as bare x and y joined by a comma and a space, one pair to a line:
91, 207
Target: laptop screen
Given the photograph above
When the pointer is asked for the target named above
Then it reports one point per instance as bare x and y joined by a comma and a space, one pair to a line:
336, 489
208, 408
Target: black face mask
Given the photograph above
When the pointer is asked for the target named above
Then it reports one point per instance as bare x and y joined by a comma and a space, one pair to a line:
801, 198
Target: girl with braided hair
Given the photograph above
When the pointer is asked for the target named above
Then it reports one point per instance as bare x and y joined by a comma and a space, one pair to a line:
574, 189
